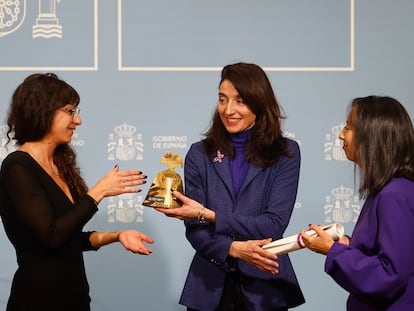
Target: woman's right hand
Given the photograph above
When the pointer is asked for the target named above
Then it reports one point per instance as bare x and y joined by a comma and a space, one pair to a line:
320, 243
190, 209
117, 182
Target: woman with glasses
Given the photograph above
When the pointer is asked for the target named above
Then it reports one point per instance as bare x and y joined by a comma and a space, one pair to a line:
45, 203
375, 265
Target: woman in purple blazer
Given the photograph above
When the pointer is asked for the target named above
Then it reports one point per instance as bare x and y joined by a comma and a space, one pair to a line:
240, 183
376, 265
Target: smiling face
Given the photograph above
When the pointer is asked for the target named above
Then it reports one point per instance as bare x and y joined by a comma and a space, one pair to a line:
347, 135
64, 123
235, 115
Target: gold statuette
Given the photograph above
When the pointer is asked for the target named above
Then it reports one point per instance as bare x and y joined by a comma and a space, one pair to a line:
160, 192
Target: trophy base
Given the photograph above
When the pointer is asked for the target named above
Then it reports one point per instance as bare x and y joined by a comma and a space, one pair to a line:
161, 202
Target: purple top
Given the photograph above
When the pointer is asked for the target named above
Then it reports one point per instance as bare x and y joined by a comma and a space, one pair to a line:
377, 269
239, 165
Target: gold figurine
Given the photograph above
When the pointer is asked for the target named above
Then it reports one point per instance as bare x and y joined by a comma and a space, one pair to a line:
160, 192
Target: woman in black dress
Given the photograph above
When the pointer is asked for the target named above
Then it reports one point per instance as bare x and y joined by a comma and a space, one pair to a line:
45, 203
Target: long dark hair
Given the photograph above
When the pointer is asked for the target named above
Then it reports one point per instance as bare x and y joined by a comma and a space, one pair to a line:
266, 142
30, 116
384, 142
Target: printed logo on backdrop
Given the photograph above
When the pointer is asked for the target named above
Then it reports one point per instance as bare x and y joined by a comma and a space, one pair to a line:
333, 146
13, 14
292, 135
125, 208
342, 206
169, 142
76, 141
125, 143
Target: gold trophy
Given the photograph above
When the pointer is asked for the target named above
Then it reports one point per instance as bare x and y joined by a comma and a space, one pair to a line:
160, 192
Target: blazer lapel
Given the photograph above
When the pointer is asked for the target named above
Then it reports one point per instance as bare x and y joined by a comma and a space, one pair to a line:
222, 167
223, 170
251, 174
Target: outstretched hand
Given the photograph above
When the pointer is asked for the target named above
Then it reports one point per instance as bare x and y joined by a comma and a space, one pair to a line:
117, 182
252, 252
133, 240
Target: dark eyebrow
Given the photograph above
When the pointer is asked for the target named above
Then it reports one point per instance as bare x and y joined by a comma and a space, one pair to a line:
349, 123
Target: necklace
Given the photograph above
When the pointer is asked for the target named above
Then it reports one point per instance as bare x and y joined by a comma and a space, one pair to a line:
54, 170
51, 167
35, 153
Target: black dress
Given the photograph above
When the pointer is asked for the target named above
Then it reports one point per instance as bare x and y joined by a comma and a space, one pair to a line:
45, 228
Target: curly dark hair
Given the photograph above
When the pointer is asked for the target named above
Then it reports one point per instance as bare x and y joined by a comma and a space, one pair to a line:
30, 116
266, 142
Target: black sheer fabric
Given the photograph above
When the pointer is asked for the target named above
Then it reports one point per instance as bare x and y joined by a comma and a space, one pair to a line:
45, 228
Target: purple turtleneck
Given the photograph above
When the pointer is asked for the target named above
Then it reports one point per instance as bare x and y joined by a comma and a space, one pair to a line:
239, 165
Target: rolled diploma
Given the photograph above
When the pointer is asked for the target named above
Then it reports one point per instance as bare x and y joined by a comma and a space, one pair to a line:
295, 242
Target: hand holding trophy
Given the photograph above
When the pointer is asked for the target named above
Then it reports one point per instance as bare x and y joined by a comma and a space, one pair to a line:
160, 192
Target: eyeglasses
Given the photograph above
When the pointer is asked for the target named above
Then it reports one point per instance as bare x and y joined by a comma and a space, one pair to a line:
72, 112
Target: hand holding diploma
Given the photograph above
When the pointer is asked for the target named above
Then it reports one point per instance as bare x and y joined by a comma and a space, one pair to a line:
321, 242
319, 238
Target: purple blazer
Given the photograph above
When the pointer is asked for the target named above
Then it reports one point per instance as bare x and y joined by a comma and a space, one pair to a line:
377, 269
261, 210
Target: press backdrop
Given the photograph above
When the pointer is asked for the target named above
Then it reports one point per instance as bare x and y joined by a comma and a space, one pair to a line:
148, 73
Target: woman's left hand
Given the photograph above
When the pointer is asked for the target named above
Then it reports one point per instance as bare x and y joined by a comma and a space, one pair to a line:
252, 252
133, 240
321, 243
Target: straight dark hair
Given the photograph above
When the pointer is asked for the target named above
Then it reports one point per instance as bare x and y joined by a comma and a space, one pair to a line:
384, 142
266, 142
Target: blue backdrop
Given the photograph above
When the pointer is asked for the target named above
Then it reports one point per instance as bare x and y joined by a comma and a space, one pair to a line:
148, 73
